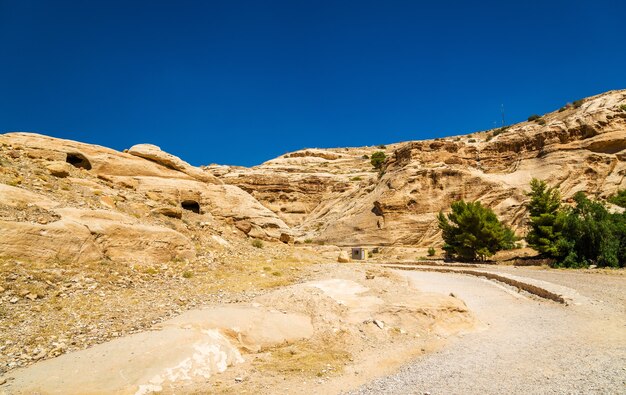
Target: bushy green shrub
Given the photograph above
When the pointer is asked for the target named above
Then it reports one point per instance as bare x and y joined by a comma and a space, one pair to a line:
431, 251
473, 232
500, 130
257, 243
533, 117
579, 236
378, 158
623, 107
591, 235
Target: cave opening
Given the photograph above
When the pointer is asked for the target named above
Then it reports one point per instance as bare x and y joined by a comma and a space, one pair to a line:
191, 205
78, 160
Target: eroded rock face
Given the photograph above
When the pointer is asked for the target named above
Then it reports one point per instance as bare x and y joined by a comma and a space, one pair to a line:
66, 201
334, 196
329, 196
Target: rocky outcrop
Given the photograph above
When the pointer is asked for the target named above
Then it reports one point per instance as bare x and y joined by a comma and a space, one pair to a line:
154, 153
334, 196
329, 196
72, 202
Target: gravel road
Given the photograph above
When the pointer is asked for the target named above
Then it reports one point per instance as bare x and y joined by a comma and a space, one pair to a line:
524, 345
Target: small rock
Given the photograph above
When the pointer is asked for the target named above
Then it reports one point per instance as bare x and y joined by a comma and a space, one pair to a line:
3, 381
238, 379
59, 169
108, 201
343, 257
40, 355
13, 300
244, 226
172, 212
31, 296
286, 238
379, 324
453, 295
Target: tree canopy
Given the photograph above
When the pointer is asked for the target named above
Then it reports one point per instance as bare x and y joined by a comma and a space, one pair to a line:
545, 217
578, 236
473, 232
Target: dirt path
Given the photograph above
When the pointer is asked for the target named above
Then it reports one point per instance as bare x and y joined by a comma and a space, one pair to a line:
525, 345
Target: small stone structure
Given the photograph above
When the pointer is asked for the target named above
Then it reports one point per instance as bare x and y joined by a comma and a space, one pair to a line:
358, 253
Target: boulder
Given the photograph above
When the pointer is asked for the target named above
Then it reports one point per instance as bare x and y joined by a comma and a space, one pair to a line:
244, 226
172, 212
343, 257
59, 169
286, 238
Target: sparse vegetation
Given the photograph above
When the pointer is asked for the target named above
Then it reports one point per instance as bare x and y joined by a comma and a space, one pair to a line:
533, 117
431, 251
357, 178
308, 241
623, 107
382, 146
471, 140
500, 130
365, 156
541, 121
577, 103
257, 243
378, 158
473, 232
619, 198
187, 274
306, 358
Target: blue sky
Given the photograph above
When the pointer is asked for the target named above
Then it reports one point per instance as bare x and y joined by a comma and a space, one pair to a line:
240, 82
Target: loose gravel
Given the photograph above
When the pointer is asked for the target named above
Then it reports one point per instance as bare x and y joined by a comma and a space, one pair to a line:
525, 346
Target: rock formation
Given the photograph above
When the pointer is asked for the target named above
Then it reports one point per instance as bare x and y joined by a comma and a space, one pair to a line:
334, 195
64, 200
67, 201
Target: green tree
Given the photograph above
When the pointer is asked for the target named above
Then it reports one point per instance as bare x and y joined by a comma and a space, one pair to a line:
592, 235
619, 198
377, 159
545, 217
472, 231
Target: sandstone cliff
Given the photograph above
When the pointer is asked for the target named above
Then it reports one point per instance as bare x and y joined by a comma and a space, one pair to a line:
334, 196
72, 202
68, 201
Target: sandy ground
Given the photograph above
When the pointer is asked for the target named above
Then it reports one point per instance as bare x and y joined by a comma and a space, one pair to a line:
355, 325
525, 345
328, 334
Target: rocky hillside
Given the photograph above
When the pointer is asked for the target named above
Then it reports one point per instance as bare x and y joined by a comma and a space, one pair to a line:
334, 196
68, 201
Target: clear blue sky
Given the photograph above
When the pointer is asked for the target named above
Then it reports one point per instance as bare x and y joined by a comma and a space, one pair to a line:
240, 82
